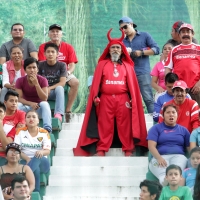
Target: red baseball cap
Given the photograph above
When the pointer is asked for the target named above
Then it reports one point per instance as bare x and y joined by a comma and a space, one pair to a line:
189, 26
177, 25
180, 84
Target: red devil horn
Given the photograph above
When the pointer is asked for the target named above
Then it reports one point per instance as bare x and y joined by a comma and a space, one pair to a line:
122, 37
108, 35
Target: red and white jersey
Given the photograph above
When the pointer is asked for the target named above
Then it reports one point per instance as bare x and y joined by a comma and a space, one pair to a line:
111, 84
188, 114
184, 60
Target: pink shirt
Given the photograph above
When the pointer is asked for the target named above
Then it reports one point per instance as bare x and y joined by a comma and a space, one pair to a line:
159, 71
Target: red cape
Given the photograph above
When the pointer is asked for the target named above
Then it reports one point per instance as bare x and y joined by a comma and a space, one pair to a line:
88, 138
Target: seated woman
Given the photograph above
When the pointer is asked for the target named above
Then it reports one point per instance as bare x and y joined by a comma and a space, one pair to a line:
36, 145
158, 72
12, 70
9, 171
167, 143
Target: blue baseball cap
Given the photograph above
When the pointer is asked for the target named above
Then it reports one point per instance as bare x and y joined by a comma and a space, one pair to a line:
127, 20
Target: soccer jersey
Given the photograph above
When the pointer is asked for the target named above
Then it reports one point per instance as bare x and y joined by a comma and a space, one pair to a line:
182, 193
66, 53
31, 144
184, 60
114, 79
189, 175
188, 114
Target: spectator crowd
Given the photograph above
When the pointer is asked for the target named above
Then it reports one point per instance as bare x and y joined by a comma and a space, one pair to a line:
122, 78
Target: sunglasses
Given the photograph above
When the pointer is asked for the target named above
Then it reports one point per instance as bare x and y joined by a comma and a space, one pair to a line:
124, 27
20, 30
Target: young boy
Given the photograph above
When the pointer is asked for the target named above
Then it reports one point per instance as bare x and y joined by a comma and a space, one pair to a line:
55, 72
174, 191
10, 120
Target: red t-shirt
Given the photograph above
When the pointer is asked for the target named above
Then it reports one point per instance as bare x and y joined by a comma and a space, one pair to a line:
188, 114
111, 84
9, 125
66, 53
184, 60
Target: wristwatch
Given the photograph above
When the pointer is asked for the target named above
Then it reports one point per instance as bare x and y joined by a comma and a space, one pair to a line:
142, 53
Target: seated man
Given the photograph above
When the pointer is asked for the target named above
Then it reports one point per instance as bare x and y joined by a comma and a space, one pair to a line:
10, 120
67, 55
55, 72
188, 109
166, 96
33, 92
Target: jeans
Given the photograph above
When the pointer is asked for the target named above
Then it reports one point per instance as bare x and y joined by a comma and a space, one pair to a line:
38, 165
4, 90
43, 111
144, 82
58, 95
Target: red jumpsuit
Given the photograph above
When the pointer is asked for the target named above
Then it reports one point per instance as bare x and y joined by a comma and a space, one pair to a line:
115, 103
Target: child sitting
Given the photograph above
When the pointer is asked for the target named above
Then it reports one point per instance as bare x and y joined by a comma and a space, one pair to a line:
174, 176
189, 174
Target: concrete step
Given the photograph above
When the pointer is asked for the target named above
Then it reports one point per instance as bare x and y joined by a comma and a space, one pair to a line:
71, 126
67, 143
99, 161
63, 180
99, 171
93, 191
68, 134
75, 197
69, 152
77, 118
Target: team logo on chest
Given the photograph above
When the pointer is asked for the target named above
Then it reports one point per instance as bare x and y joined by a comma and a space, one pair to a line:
40, 139
187, 113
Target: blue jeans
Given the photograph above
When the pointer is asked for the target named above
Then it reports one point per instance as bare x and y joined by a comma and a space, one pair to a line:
144, 82
58, 95
43, 111
38, 165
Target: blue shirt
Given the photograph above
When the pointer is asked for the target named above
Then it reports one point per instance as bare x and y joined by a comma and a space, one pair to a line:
142, 41
163, 98
189, 175
169, 139
195, 136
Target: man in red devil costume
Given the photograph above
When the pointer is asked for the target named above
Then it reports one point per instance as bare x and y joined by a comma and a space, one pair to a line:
114, 96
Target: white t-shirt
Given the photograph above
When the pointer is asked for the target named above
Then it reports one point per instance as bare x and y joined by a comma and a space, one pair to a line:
31, 144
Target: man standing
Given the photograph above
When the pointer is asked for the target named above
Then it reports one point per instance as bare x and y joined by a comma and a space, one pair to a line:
114, 96
55, 72
140, 46
33, 92
66, 53
20, 188
17, 32
184, 60
188, 109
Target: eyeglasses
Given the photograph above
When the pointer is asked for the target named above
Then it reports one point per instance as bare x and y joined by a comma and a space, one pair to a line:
20, 30
14, 152
124, 27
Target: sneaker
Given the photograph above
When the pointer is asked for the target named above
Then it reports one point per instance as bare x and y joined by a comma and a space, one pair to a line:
58, 116
68, 116
128, 153
100, 153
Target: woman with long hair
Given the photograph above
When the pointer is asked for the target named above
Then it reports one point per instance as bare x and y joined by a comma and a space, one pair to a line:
36, 146
9, 171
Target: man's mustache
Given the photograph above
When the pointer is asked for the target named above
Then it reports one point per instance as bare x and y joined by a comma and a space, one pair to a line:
186, 36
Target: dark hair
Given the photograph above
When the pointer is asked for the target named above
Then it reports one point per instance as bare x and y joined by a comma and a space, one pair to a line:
173, 167
194, 150
2, 106
166, 44
167, 106
10, 93
16, 46
17, 24
18, 179
34, 111
154, 187
47, 45
29, 61
196, 194
171, 77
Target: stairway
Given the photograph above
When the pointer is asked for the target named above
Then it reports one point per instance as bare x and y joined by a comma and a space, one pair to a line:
113, 177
